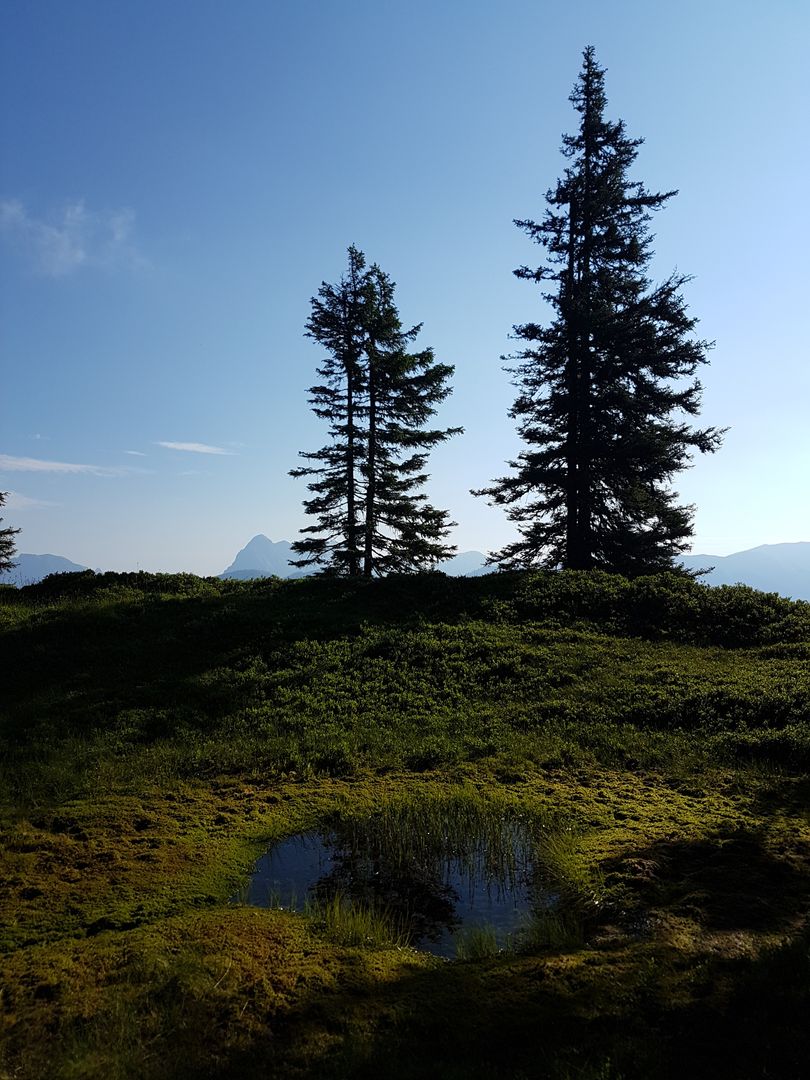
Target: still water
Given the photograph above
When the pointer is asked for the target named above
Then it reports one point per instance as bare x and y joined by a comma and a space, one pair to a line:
434, 884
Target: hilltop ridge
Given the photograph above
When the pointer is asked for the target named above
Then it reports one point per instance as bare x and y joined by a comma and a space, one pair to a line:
779, 568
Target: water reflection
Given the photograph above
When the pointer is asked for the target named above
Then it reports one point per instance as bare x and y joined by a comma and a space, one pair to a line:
433, 872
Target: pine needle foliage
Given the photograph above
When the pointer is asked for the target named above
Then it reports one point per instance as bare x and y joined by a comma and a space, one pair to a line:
337, 322
377, 395
602, 405
8, 546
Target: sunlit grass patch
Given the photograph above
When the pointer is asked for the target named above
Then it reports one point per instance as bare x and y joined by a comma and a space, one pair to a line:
345, 921
560, 855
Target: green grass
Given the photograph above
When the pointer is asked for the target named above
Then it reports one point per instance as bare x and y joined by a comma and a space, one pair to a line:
559, 853
484, 833
345, 921
551, 930
649, 739
110, 683
477, 943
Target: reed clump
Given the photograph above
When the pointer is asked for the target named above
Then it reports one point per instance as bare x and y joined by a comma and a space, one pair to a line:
345, 921
477, 943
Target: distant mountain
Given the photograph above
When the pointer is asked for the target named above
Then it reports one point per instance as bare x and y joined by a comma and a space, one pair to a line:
466, 564
780, 568
263, 557
33, 568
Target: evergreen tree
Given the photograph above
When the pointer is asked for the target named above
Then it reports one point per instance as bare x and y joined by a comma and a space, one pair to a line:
337, 321
403, 532
7, 545
377, 395
599, 404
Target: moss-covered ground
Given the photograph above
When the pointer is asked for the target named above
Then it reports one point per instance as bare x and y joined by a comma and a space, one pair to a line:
158, 733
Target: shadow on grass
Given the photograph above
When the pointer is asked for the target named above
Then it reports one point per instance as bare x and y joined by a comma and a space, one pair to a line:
783, 792
723, 882
595, 1016
638, 1007
77, 664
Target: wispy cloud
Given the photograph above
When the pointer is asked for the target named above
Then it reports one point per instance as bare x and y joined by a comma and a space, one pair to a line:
36, 465
195, 448
72, 239
135, 453
17, 501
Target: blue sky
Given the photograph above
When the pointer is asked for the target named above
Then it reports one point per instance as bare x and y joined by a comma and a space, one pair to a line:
178, 178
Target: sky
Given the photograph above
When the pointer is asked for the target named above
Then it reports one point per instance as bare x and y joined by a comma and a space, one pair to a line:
178, 179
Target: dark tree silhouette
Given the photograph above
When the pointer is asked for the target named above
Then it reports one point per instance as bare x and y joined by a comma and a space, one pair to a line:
378, 396
8, 546
601, 404
337, 322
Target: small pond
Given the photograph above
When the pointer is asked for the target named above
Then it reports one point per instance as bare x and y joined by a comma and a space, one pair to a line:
437, 870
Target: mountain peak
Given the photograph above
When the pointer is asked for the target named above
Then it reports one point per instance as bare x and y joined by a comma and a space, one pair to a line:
262, 557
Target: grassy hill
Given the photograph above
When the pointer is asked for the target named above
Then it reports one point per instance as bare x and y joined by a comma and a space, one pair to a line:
159, 731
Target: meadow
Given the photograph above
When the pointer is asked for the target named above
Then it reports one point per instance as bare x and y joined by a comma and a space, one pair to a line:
158, 732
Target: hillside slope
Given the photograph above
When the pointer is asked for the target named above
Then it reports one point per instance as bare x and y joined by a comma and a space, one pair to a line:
158, 732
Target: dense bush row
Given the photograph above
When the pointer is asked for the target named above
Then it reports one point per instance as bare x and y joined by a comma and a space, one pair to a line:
666, 606
87, 583
663, 606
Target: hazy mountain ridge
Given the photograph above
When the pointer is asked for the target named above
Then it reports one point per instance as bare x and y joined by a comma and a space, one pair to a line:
781, 568
263, 557
467, 564
33, 568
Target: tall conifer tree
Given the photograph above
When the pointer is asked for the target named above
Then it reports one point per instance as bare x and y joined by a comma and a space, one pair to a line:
378, 396
337, 321
7, 543
600, 407
403, 531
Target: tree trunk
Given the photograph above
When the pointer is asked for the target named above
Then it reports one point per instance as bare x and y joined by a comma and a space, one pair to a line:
351, 530
371, 466
585, 358
573, 389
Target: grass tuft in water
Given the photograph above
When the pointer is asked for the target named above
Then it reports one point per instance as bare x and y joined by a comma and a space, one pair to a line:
477, 943
347, 922
550, 930
560, 856
486, 838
